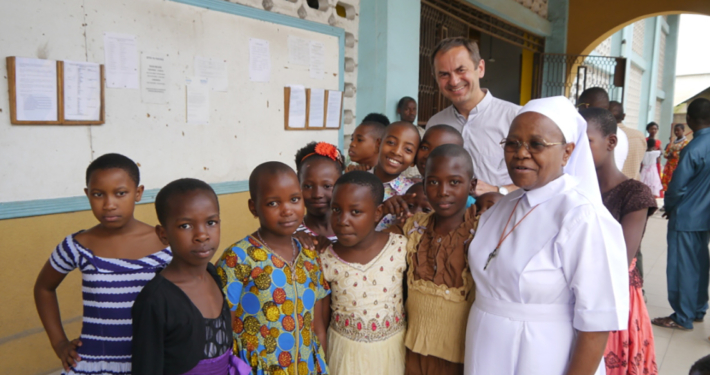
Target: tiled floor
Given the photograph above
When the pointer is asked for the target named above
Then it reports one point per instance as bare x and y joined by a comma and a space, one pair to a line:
676, 350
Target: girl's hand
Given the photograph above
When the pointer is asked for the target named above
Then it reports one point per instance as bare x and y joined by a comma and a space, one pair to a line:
399, 206
319, 244
66, 351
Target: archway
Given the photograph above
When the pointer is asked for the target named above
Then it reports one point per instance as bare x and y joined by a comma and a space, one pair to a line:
591, 22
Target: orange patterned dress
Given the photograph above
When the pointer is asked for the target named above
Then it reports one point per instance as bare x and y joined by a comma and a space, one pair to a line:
631, 351
672, 154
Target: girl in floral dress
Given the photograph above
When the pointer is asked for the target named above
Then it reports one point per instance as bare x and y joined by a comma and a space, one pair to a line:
274, 286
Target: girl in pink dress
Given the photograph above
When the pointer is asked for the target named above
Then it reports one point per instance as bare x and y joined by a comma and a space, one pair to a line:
631, 203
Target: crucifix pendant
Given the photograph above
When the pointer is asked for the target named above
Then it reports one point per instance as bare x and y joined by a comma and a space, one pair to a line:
490, 258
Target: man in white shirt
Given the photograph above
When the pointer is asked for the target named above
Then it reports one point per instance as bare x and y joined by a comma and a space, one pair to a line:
482, 119
597, 97
636, 139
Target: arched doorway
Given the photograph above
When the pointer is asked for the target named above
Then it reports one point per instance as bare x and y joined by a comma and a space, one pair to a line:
591, 22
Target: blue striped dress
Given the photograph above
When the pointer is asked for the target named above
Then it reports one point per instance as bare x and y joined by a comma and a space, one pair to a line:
109, 288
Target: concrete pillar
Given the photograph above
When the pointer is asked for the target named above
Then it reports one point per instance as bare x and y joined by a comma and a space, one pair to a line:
669, 76
556, 42
388, 55
558, 15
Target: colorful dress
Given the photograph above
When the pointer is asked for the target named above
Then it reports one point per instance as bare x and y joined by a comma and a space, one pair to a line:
367, 324
672, 154
631, 351
274, 307
398, 186
109, 288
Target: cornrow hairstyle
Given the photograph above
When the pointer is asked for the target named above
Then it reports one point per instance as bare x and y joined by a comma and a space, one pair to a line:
601, 118
377, 117
366, 179
270, 168
110, 161
176, 188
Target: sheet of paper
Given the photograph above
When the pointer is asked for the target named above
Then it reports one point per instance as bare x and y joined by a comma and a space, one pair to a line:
297, 107
298, 51
82, 91
317, 59
36, 89
121, 56
259, 60
154, 78
213, 69
198, 100
316, 108
332, 118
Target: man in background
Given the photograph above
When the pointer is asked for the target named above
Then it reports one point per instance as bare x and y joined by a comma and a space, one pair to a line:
637, 143
687, 204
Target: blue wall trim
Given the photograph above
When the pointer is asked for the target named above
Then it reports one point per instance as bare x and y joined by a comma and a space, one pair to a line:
13, 210
18, 209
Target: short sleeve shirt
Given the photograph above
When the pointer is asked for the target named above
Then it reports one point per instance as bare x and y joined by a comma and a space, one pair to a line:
487, 124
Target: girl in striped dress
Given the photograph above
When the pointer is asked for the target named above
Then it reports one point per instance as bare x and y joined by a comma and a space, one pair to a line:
117, 258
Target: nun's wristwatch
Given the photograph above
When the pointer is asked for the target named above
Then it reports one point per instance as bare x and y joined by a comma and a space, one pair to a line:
502, 190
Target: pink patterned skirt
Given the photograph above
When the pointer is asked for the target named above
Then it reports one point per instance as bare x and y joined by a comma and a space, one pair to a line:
632, 351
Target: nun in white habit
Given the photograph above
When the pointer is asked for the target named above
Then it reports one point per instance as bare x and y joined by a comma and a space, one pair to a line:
549, 261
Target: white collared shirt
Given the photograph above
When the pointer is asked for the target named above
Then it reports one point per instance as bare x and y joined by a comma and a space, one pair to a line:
621, 152
487, 124
562, 270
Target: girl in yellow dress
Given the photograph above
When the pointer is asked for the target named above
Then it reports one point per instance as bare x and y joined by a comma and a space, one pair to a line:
365, 269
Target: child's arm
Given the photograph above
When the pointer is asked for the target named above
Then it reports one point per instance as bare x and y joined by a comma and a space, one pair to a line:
321, 320
319, 244
48, 309
148, 336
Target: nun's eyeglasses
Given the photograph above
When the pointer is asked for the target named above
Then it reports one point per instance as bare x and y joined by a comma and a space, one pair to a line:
534, 147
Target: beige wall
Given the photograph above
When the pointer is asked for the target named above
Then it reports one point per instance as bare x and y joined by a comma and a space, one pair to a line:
27, 244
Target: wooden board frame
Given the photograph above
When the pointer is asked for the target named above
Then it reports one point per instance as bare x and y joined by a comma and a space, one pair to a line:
287, 101
308, 111
340, 119
102, 112
10, 60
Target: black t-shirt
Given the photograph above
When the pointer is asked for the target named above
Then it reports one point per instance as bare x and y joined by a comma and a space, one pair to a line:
169, 332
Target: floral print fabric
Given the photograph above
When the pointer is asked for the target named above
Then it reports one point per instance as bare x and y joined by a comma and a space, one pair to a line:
274, 308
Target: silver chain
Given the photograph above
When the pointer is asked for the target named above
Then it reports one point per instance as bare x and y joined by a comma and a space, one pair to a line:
293, 245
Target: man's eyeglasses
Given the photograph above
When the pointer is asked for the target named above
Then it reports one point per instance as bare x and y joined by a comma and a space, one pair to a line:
534, 147
582, 105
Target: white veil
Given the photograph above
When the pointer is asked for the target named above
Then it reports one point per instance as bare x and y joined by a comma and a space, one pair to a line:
573, 126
